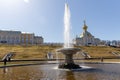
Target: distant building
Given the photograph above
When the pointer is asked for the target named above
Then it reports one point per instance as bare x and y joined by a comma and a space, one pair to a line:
27, 38
38, 39
86, 38
10, 37
17, 37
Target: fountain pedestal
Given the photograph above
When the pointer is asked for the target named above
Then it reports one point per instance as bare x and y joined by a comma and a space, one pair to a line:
69, 62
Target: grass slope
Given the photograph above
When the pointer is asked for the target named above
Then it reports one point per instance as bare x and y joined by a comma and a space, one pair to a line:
38, 52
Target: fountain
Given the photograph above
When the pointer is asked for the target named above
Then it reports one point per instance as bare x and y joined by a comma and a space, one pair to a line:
45, 71
69, 63
68, 49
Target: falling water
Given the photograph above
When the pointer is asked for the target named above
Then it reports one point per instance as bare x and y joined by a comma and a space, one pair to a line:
67, 26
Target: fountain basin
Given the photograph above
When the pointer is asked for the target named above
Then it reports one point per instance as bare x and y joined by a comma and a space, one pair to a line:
69, 62
69, 50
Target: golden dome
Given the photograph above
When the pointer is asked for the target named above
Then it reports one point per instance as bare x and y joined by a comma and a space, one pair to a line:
85, 26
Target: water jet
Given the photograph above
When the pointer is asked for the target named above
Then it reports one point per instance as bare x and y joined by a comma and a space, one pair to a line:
68, 49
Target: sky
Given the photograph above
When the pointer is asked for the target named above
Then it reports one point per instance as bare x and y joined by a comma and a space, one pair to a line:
45, 17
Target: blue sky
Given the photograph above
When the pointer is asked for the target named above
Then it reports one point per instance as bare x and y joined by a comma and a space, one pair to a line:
45, 17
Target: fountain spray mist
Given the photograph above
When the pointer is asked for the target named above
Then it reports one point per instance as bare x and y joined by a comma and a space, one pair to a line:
67, 27
68, 49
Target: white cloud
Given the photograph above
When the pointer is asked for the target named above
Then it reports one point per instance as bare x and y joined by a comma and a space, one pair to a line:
27, 1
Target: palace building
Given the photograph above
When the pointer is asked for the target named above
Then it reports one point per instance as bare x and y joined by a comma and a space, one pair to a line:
17, 37
86, 38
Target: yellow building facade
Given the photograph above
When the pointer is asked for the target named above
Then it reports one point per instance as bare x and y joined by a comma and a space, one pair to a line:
27, 38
